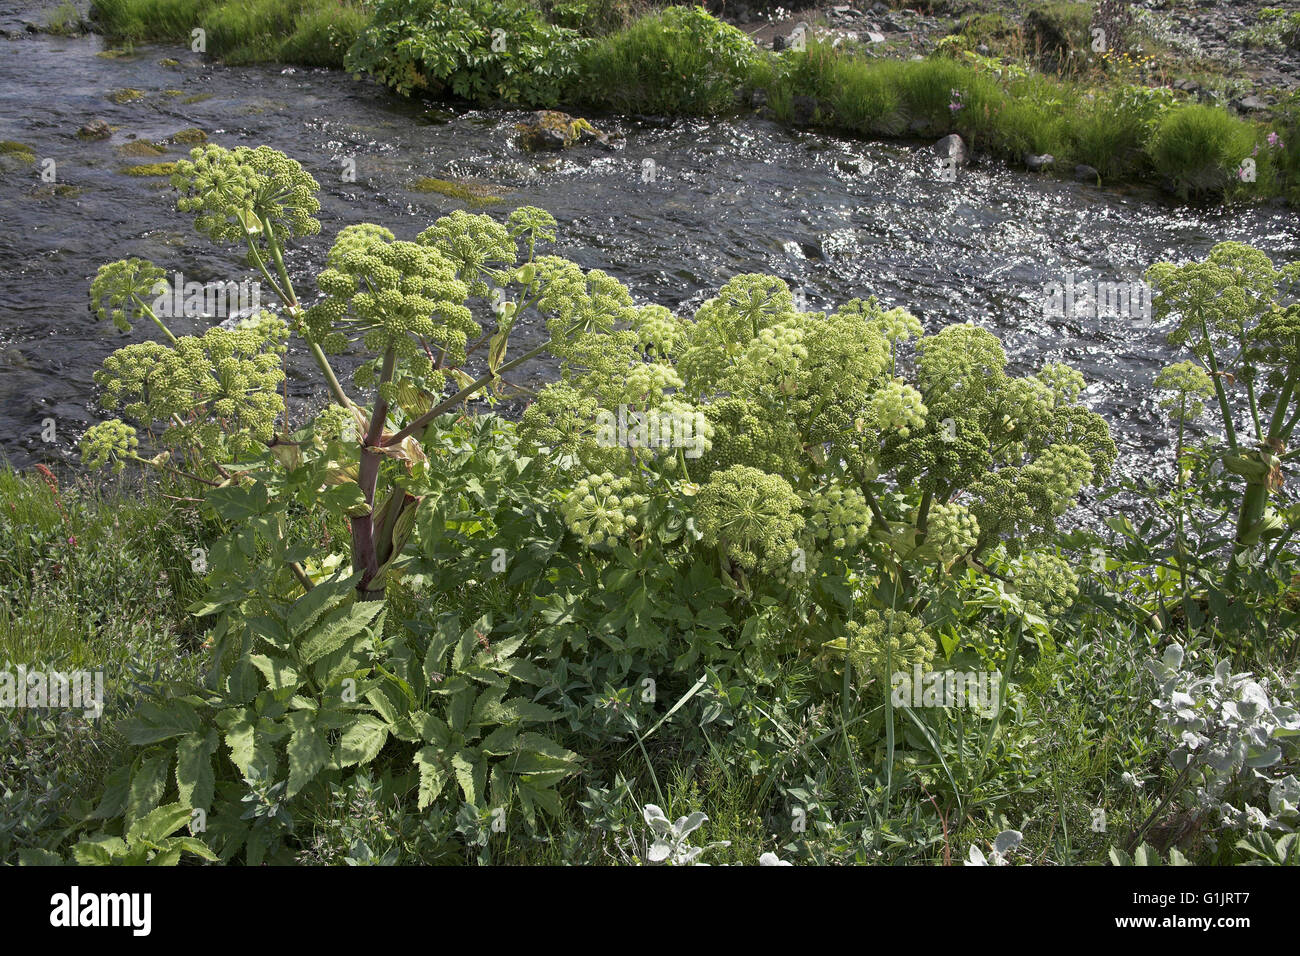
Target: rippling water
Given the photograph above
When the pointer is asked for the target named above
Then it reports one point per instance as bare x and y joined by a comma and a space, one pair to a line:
835, 217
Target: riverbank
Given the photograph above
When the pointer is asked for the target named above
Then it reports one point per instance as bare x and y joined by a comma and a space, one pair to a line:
1202, 104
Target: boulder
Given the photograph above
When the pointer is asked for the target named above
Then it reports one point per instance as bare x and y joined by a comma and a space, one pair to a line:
551, 129
953, 147
1035, 163
95, 129
1086, 174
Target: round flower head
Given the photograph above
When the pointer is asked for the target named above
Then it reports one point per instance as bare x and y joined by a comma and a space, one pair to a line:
111, 442
1190, 385
239, 194
952, 530
123, 290
752, 515
839, 516
603, 509
882, 645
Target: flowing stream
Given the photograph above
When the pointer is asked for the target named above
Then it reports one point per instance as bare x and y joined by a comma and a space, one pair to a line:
836, 217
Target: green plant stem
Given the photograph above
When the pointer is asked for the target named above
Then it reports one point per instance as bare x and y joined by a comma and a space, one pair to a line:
1217, 378
475, 386
147, 310
365, 559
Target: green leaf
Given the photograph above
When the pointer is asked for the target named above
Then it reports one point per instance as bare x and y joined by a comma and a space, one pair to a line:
237, 502
443, 639
113, 802
197, 847
500, 742
33, 856
240, 727
324, 597
100, 852
148, 783
431, 728
195, 780
279, 673
159, 824
517, 708
153, 722
433, 776
471, 774
362, 740
470, 640
307, 750
329, 636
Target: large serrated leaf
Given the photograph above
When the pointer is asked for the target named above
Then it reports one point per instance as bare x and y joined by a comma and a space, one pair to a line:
148, 783
159, 824
195, 779
279, 673
324, 597
153, 722
471, 774
362, 740
431, 728
235, 503
519, 709
240, 727
488, 708
474, 634
307, 750
435, 659
332, 634
500, 742
433, 776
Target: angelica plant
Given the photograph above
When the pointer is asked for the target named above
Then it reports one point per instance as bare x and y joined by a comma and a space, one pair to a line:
847, 434
1233, 312
407, 303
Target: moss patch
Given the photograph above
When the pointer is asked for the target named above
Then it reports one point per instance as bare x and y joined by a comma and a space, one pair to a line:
475, 194
173, 93
188, 137
141, 149
124, 96
168, 61
197, 98
56, 191
149, 169
18, 150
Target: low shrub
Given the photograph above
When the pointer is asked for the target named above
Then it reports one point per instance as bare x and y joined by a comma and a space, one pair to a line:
1058, 29
678, 61
1200, 150
478, 50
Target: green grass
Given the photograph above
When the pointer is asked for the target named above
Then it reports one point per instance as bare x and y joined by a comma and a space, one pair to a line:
675, 62
680, 62
1199, 148
306, 32
92, 577
1127, 133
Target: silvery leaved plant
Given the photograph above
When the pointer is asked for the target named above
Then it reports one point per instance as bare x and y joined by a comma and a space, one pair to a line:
1004, 844
1236, 741
670, 846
